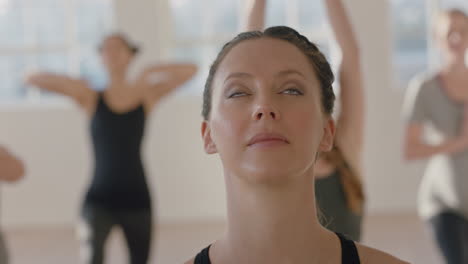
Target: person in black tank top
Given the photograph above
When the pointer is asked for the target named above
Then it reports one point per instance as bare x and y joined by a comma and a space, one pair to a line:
119, 181
118, 194
338, 186
267, 108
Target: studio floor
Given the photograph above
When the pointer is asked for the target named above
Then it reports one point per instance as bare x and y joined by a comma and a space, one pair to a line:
402, 235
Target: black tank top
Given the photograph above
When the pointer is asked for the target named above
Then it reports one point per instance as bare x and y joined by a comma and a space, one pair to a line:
349, 253
118, 181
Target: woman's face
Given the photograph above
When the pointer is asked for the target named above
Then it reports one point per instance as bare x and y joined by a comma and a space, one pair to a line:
266, 120
115, 54
452, 34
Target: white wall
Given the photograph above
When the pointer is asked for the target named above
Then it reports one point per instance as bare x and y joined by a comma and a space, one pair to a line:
187, 184
391, 185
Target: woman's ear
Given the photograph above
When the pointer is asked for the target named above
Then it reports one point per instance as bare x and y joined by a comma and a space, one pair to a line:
208, 143
326, 144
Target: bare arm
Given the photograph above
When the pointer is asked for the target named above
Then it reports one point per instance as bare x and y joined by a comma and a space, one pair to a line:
11, 168
159, 80
415, 148
256, 15
74, 88
350, 122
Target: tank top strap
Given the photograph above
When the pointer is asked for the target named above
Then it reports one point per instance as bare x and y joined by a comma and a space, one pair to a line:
349, 252
203, 257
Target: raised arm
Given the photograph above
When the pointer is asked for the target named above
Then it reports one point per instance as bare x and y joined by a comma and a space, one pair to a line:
160, 80
256, 15
11, 168
350, 122
76, 89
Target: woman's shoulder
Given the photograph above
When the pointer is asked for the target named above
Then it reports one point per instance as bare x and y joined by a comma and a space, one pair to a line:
423, 79
423, 87
371, 255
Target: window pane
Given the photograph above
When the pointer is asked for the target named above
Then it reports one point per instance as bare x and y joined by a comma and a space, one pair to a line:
50, 35
324, 47
92, 70
203, 26
276, 13
28, 23
204, 18
410, 38
11, 26
56, 62
12, 70
225, 19
188, 18
37, 4
203, 56
46, 25
94, 20
311, 14
53, 62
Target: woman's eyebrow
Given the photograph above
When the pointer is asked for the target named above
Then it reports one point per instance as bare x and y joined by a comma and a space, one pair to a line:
238, 75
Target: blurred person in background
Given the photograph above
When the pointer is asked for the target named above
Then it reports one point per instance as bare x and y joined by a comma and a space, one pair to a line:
440, 101
118, 194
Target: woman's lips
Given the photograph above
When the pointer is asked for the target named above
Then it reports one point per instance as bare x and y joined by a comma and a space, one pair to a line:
267, 139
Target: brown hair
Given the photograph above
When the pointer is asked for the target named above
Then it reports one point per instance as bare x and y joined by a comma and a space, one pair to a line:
455, 11
349, 178
315, 56
134, 49
447, 13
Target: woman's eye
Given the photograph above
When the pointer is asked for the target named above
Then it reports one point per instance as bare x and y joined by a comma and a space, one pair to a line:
292, 91
237, 94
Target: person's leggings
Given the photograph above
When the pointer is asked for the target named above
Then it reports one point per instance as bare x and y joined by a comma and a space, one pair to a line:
97, 223
4, 257
451, 233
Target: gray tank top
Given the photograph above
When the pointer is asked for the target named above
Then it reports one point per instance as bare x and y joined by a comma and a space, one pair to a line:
446, 176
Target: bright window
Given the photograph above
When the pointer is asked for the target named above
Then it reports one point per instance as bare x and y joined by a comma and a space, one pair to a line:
414, 49
54, 35
201, 27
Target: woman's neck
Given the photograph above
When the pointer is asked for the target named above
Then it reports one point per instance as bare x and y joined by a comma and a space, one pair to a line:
116, 78
272, 224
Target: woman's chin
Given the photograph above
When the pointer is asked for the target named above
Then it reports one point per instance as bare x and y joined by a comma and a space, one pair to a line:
271, 174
